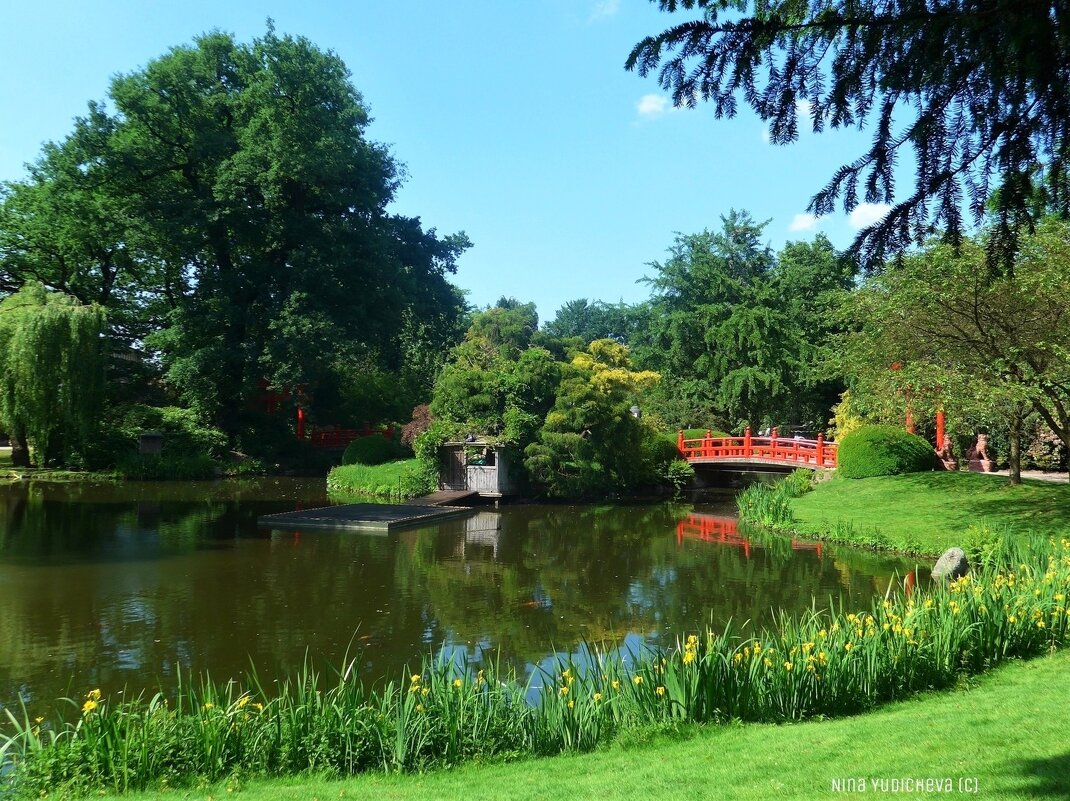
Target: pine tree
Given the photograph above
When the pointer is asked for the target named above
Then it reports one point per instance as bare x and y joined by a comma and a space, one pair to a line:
975, 88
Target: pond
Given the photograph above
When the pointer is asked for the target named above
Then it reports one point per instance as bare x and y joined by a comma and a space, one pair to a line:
129, 585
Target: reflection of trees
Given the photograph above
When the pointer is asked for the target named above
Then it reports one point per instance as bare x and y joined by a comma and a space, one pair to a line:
103, 582
114, 586
563, 575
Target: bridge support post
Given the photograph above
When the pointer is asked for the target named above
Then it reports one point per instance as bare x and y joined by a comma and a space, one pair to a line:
680, 441
940, 429
707, 444
747, 442
300, 423
820, 450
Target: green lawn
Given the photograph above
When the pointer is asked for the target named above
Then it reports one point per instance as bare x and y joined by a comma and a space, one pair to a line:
929, 512
400, 479
1008, 732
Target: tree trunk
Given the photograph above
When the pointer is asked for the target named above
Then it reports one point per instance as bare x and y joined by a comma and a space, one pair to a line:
20, 450
1016, 446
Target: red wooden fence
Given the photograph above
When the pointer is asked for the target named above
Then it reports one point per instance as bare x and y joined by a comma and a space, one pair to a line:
773, 449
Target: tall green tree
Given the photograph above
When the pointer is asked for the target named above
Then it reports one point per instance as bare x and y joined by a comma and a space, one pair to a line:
231, 187
713, 333
590, 442
810, 283
589, 321
50, 373
739, 334
66, 228
497, 383
975, 89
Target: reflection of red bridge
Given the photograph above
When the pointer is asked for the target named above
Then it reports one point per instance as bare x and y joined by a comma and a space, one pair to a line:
750, 450
725, 530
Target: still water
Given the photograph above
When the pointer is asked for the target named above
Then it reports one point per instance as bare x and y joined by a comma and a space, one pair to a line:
126, 586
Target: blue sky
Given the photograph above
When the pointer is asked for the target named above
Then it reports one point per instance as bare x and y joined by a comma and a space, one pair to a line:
516, 122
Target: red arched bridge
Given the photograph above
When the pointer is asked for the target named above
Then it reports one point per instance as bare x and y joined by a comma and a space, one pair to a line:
751, 451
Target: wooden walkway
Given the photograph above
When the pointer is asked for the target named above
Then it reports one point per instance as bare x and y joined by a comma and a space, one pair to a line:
380, 517
443, 498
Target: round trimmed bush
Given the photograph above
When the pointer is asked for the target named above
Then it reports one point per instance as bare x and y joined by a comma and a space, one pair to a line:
372, 450
883, 451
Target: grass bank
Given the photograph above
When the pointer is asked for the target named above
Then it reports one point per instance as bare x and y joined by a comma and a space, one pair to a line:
927, 513
402, 479
11, 473
1004, 732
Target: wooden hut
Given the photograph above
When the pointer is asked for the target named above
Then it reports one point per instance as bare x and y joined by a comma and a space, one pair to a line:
475, 466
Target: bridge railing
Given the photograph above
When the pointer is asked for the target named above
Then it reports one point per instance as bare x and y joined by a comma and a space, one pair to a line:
339, 438
774, 448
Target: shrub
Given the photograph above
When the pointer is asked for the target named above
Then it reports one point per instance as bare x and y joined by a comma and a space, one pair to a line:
1045, 450
184, 432
166, 467
678, 474
699, 433
421, 421
188, 443
372, 450
797, 483
883, 451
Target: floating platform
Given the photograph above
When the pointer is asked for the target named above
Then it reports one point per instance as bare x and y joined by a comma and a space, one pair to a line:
378, 517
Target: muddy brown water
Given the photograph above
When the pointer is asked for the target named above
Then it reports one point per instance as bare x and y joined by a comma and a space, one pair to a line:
124, 587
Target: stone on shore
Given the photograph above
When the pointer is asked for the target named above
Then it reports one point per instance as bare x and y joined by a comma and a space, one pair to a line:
952, 564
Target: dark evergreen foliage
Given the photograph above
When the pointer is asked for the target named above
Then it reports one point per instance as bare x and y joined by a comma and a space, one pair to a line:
976, 89
372, 450
738, 333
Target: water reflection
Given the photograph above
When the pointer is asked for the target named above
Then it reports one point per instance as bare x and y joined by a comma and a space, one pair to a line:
124, 586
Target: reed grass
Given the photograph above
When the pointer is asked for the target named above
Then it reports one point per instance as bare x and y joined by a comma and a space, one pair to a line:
769, 505
825, 663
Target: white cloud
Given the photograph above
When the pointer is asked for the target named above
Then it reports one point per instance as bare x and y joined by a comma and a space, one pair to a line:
803, 222
652, 106
866, 214
604, 8
804, 108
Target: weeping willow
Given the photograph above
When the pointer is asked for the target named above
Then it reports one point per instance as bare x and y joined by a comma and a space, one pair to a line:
51, 371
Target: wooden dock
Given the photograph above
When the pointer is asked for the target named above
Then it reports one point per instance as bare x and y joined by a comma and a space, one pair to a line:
444, 498
378, 517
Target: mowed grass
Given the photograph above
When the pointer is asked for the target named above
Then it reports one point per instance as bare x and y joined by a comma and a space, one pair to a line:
929, 512
399, 479
1007, 731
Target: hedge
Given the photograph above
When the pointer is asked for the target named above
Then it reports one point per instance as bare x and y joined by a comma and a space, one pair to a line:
883, 451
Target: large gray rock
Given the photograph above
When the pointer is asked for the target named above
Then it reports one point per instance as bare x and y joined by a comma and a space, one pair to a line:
952, 564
